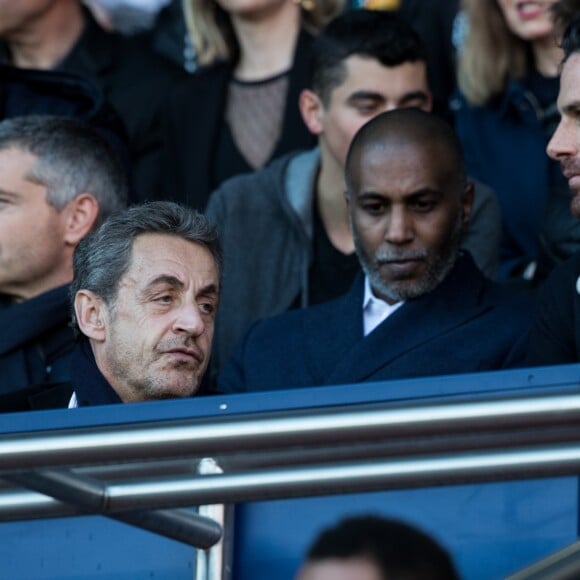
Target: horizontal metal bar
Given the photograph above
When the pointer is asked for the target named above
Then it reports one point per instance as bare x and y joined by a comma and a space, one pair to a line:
349, 477
90, 496
327, 480
179, 439
562, 565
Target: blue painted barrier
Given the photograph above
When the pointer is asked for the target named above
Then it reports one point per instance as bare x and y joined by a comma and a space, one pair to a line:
491, 529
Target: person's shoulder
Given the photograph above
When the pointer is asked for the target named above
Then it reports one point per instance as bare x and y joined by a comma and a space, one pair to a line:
294, 321
256, 188
204, 79
563, 276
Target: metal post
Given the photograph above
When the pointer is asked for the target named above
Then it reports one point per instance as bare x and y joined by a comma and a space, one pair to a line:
215, 563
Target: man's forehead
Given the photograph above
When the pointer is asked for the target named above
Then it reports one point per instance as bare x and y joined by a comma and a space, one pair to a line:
570, 82
398, 166
412, 72
156, 254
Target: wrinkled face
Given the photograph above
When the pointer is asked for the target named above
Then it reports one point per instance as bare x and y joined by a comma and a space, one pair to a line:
565, 143
33, 253
15, 17
407, 217
529, 20
369, 89
340, 569
157, 336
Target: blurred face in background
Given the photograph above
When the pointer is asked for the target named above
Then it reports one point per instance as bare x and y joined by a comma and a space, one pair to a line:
256, 9
529, 21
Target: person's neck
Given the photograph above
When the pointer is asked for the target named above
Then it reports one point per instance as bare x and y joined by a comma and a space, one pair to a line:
332, 206
43, 43
547, 57
267, 44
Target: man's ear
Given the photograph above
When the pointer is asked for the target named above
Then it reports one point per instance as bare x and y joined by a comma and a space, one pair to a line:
311, 109
91, 315
80, 215
467, 203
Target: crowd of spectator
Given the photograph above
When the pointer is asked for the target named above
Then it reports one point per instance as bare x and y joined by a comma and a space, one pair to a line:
320, 192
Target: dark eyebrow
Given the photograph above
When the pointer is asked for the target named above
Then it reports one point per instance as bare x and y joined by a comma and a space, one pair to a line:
414, 95
571, 108
209, 289
165, 279
423, 192
10, 194
412, 195
365, 95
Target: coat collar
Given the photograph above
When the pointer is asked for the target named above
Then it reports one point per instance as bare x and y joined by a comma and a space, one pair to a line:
348, 356
90, 386
28, 320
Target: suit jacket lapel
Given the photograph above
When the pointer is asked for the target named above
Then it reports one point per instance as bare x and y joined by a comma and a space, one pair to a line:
331, 330
417, 322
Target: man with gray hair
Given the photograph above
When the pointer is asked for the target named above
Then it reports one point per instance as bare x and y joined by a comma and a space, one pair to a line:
58, 180
145, 293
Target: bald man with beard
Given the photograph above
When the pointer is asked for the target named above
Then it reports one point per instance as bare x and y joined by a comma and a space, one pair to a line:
422, 307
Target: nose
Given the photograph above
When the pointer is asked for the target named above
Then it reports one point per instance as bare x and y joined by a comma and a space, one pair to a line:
189, 320
564, 141
399, 229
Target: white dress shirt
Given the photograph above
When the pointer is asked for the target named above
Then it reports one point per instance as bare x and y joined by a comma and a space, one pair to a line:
375, 310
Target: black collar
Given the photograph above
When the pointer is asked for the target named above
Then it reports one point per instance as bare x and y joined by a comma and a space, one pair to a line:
90, 386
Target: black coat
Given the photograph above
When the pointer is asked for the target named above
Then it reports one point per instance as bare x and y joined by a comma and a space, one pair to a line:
555, 337
193, 122
136, 82
36, 341
466, 324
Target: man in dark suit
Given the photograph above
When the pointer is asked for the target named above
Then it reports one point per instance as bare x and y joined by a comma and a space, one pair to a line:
145, 293
555, 337
423, 307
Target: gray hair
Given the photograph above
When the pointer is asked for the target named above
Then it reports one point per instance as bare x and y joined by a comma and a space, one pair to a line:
72, 158
103, 257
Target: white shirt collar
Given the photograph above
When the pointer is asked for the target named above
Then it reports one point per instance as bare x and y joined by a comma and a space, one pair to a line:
375, 310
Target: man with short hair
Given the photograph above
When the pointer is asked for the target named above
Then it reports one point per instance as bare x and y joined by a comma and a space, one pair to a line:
145, 293
288, 224
555, 337
375, 548
58, 180
423, 308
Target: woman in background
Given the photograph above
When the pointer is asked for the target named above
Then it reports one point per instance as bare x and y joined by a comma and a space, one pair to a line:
240, 109
506, 113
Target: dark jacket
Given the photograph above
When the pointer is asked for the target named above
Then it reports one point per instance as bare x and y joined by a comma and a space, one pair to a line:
136, 82
85, 380
555, 337
466, 324
36, 341
194, 119
505, 147
40, 92
89, 385
266, 224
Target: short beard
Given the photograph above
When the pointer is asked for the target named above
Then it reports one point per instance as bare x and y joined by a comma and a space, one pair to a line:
437, 269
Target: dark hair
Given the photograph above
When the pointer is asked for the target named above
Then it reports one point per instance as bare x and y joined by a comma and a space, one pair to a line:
400, 551
571, 38
103, 257
72, 158
414, 126
376, 34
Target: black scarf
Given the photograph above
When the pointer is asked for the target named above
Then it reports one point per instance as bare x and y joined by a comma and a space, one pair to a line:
90, 385
34, 334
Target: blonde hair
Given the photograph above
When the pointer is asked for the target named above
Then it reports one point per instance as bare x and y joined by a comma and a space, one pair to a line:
212, 34
491, 54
